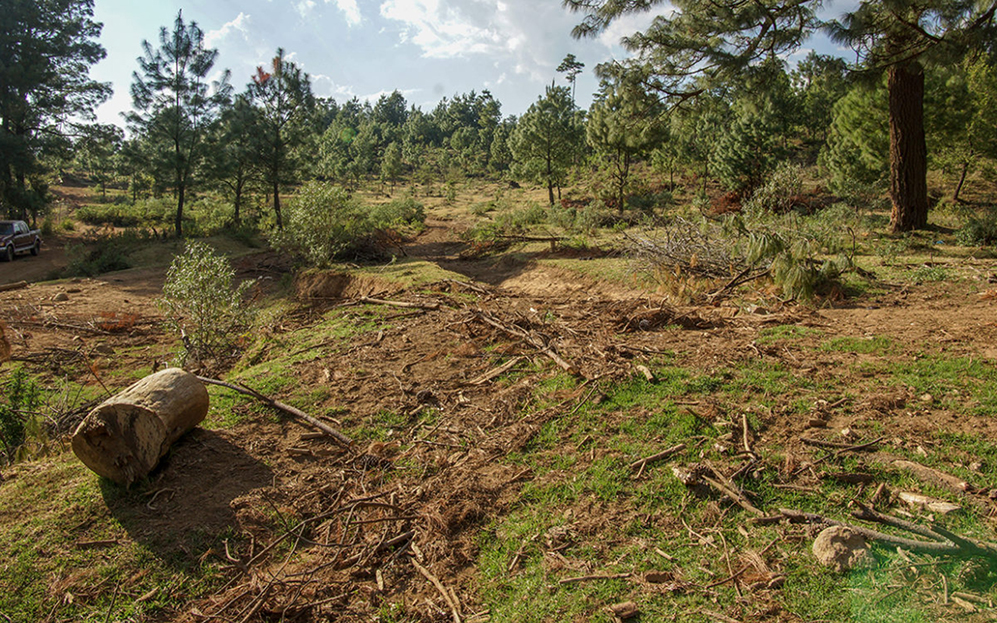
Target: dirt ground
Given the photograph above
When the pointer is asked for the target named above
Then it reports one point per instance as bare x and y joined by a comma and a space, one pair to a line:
359, 506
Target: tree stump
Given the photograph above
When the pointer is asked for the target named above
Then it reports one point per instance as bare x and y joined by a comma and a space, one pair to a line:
124, 437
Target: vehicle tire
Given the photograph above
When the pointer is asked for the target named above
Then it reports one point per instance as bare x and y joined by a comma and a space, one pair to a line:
35, 250
8, 254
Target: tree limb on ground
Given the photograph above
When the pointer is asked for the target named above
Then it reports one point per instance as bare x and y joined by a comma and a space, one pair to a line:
339, 437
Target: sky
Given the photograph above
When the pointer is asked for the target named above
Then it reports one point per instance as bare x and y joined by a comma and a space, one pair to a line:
426, 49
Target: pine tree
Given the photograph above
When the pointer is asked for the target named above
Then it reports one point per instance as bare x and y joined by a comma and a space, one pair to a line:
719, 39
283, 97
46, 50
391, 164
624, 124
175, 104
546, 138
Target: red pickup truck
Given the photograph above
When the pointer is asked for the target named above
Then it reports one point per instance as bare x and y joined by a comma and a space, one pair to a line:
16, 237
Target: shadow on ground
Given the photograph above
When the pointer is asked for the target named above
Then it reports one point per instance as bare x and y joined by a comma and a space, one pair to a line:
184, 508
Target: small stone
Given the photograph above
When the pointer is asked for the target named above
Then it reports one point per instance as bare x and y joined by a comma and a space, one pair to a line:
816, 423
927, 398
624, 611
841, 549
849, 434
60, 297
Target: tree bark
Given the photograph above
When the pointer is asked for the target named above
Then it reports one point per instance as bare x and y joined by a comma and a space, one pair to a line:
908, 151
124, 437
962, 180
276, 202
179, 221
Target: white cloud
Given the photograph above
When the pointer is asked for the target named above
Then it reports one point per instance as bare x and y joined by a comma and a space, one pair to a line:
240, 24
305, 7
444, 31
628, 25
350, 10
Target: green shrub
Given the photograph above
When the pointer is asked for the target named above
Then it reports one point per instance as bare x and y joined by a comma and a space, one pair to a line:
104, 253
780, 191
323, 223
20, 399
980, 229
203, 306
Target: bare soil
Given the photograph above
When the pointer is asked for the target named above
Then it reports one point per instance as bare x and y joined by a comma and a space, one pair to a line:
354, 517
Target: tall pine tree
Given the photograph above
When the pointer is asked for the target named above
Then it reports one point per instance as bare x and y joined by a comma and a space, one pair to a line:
175, 104
719, 39
546, 138
46, 50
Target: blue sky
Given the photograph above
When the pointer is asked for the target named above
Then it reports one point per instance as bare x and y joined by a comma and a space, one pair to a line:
426, 49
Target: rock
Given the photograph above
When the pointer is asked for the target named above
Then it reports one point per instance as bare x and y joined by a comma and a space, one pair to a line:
60, 297
918, 501
624, 611
840, 548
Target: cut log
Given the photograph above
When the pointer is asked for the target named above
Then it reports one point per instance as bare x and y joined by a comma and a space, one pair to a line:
124, 437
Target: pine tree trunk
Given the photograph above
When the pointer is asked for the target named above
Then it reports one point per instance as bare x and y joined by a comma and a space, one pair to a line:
179, 222
908, 151
276, 203
962, 180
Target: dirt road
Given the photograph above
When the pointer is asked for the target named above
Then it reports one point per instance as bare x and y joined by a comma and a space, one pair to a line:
45, 266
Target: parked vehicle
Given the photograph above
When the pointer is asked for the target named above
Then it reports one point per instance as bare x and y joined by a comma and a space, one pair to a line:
16, 237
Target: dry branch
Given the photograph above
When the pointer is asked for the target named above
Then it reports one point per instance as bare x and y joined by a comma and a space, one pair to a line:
17, 285
588, 578
494, 372
641, 463
342, 439
405, 304
941, 543
447, 597
530, 338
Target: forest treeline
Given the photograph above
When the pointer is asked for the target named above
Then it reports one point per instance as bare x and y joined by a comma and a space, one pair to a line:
729, 130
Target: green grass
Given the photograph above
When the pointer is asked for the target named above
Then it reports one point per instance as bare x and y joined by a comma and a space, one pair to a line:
44, 573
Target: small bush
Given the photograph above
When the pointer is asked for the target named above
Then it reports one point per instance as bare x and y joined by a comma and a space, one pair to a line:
979, 230
780, 192
202, 304
20, 398
104, 253
323, 223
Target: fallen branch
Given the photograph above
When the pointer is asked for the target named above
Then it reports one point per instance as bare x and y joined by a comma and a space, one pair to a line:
494, 372
405, 304
60, 325
339, 437
840, 448
942, 543
17, 285
588, 578
532, 340
733, 495
641, 463
454, 608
